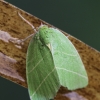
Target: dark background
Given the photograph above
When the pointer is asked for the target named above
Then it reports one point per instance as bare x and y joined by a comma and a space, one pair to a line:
80, 18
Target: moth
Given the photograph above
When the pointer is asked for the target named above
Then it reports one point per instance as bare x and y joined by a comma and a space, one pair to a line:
51, 62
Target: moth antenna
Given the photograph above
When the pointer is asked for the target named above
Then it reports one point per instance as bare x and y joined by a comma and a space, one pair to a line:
22, 40
27, 37
27, 22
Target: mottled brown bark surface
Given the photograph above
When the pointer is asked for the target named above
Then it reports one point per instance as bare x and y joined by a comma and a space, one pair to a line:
13, 55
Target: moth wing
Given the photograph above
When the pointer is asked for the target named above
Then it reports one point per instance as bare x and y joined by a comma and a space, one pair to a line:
70, 69
42, 78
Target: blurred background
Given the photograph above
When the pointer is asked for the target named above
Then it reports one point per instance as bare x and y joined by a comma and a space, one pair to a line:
80, 18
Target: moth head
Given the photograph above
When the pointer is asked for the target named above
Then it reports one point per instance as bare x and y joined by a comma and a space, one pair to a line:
44, 33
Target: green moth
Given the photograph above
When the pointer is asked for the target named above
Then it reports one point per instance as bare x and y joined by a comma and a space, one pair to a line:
52, 61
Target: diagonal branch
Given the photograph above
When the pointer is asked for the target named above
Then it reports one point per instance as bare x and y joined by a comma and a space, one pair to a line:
13, 55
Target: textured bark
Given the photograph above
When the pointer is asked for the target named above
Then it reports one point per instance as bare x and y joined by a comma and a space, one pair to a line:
13, 55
